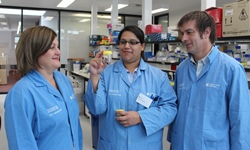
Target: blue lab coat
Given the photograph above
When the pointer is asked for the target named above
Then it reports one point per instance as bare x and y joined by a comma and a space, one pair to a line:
116, 92
38, 116
213, 108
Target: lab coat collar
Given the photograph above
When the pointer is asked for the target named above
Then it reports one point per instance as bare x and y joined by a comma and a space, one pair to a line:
40, 81
120, 67
211, 56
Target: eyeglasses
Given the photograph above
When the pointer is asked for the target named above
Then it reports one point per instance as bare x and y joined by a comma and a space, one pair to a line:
130, 42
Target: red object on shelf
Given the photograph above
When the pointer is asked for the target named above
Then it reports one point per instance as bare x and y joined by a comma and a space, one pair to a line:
173, 67
153, 28
216, 13
218, 30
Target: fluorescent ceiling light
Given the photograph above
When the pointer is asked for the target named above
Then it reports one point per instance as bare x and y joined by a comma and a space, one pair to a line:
19, 27
98, 16
84, 20
74, 32
65, 3
25, 12
3, 23
2, 16
34, 12
159, 10
0, 1
120, 6
48, 18
82, 15
106, 16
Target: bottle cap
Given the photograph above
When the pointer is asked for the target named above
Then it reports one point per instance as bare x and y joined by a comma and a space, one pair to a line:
247, 55
237, 47
107, 52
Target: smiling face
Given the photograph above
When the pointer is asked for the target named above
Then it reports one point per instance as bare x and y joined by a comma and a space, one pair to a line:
191, 37
50, 60
197, 44
130, 52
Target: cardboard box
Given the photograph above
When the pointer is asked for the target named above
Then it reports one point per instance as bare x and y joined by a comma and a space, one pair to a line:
236, 20
173, 30
2, 50
3, 76
3, 60
216, 13
223, 48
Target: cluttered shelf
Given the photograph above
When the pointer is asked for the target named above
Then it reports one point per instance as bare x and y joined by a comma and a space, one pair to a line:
233, 40
109, 44
220, 40
159, 42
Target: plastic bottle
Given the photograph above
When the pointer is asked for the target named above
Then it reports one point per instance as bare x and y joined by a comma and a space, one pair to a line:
229, 52
237, 53
107, 56
247, 60
181, 57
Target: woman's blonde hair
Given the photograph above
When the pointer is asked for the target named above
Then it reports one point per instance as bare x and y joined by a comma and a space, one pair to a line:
33, 42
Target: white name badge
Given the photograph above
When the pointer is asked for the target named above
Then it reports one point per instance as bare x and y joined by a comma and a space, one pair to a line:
144, 100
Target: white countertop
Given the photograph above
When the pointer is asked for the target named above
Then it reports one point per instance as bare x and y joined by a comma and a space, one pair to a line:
81, 73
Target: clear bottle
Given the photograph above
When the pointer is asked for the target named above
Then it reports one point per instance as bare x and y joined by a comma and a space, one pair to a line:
237, 53
247, 60
229, 52
107, 56
182, 57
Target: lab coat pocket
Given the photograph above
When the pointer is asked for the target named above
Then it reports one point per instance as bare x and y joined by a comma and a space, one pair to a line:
103, 145
210, 145
214, 100
154, 145
214, 145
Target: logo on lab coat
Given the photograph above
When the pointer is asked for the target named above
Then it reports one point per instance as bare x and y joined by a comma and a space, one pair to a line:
72, 96
114, 92
53, 110
212, 85
182, 86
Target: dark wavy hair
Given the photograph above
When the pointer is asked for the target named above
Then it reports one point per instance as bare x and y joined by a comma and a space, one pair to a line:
203, 21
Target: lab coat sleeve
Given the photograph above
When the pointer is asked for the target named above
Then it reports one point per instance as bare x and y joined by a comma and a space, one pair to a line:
239, 111
19, 117
156, 118
80, 135
96, 102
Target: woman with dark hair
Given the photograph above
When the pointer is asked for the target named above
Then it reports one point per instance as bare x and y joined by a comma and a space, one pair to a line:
141, 92
41, 110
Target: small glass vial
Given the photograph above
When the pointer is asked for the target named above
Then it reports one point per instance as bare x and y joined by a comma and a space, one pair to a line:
247, 60
107, 56
237, 53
